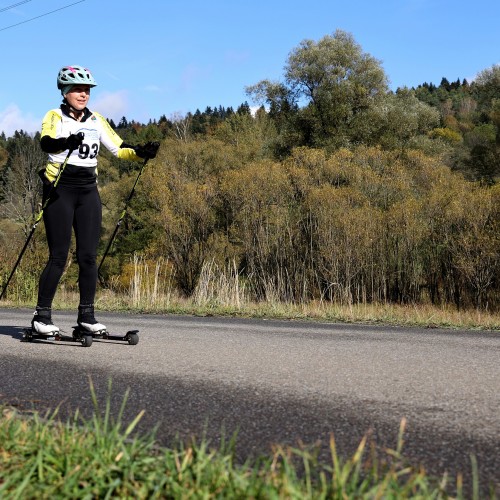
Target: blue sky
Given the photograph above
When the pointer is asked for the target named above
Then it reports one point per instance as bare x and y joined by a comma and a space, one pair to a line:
168, 57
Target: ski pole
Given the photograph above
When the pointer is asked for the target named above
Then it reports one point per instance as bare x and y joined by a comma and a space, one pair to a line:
38, 218
122, 216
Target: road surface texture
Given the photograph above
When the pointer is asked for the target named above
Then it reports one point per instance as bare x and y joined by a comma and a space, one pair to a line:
276, 382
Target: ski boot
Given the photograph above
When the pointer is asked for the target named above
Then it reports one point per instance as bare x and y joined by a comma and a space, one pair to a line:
87, 323
41, 324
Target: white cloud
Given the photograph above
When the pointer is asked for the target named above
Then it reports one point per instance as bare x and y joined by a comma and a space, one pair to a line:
112, 105
12, 119
254, 109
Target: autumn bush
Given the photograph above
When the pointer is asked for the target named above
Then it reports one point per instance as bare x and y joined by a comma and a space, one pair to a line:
364, 225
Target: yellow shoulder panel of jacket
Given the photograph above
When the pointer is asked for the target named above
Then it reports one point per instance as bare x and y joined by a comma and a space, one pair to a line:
123, 153
108, 131
50, 122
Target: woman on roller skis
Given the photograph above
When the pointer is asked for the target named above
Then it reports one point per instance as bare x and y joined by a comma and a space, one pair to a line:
74, 130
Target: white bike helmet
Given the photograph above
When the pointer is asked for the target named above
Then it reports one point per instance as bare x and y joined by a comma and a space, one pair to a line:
74, 75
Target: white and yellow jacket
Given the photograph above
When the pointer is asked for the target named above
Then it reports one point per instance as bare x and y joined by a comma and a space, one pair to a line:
82, 163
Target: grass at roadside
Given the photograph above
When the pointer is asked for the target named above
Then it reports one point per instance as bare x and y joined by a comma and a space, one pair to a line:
149, 288
102, 458
426, 316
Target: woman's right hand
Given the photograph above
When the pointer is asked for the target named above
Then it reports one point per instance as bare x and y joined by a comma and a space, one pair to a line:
74, 141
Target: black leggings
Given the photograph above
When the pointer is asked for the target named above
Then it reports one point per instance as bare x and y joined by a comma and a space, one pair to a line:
78, 207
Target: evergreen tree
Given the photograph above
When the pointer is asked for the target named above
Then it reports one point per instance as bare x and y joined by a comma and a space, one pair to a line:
445, 84
123, 123
243, 109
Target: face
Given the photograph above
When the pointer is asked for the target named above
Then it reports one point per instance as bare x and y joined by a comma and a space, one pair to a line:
78, 96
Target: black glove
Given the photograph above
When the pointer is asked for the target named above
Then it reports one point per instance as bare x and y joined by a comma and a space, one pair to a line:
74, 141
147, 151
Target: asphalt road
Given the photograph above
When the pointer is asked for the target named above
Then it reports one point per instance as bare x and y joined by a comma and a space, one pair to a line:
276, 382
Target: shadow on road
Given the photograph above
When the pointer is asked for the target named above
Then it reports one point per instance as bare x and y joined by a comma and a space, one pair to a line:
183, 409
15, 332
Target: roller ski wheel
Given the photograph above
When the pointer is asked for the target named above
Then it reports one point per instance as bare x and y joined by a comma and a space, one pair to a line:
131, 337
27, 335
85, 338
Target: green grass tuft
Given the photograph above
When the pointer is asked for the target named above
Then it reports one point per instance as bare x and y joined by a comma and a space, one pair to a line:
45, 458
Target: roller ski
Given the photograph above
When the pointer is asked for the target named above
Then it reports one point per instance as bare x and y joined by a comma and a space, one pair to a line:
31, 334
88, 327
86, 338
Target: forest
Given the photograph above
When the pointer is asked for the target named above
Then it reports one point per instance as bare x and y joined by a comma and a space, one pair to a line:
331, 187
